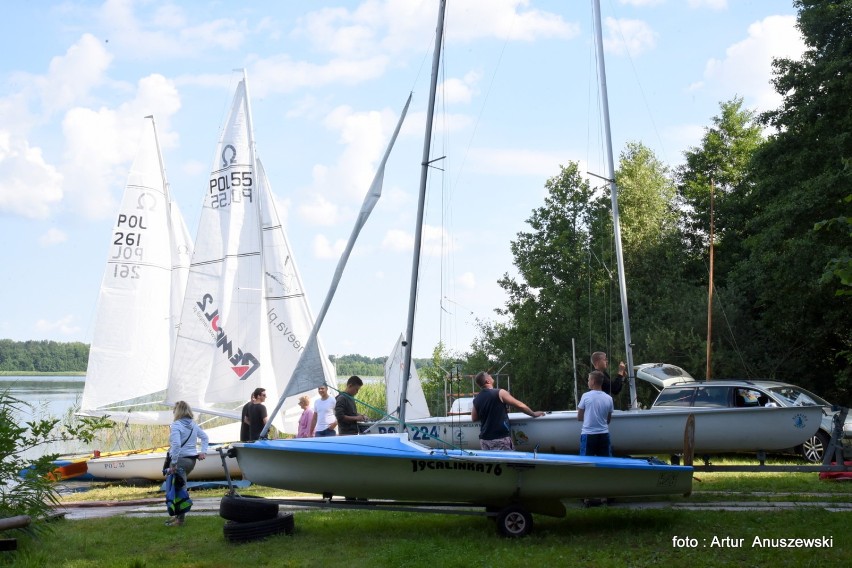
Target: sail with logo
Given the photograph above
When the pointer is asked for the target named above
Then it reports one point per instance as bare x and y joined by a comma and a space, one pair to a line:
140, 297
245, 315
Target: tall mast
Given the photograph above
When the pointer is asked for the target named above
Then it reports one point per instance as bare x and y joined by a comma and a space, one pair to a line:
418, 231
622, 282
708, 373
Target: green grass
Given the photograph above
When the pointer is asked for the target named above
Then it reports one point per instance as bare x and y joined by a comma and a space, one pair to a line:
594, 537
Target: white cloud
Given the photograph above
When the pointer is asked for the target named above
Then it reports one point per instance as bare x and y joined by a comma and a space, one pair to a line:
434, 242
167, 32
71, 77
467, 280
281, 74
363, 137
29, 186
101, 143
398, 241
62, 326
324, 249
319, 211
459, 90
398, 25
53, 236
628, 37
505, 19
747, 66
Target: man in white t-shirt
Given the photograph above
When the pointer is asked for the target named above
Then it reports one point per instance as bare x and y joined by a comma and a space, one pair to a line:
324, 422
595, 412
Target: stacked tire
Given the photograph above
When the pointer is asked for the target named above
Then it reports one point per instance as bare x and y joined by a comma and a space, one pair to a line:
251, 518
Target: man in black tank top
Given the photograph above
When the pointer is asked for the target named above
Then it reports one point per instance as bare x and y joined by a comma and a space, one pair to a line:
489, 406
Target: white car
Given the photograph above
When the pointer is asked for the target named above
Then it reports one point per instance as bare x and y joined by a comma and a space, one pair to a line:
681, 389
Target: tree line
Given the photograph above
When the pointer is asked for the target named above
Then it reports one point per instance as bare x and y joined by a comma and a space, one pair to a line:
43, 356
779, 205
72, 357
364, 366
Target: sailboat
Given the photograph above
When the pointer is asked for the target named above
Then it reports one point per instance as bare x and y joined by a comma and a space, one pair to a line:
415, 401
138, 305
245, 315
390, 466
140, 297
245, 318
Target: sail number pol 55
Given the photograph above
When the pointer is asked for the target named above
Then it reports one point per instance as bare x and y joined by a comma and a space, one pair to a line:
232, 187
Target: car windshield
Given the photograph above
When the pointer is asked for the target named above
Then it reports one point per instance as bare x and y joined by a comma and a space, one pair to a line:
795, 396
675, 396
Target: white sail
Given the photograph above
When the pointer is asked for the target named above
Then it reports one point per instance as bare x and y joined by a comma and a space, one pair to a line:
415, 405
218, 358
140, 296
286, 310
245, 317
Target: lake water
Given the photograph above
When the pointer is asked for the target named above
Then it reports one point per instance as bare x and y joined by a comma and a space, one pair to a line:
45, 397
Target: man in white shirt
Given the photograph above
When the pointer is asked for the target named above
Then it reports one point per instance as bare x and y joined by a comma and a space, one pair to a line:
324, 422
595, 412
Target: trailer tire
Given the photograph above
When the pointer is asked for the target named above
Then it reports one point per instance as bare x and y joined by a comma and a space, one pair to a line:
514, 522
245, 532
246, 509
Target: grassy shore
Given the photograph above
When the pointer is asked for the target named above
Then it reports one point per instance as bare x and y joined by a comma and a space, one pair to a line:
605, 536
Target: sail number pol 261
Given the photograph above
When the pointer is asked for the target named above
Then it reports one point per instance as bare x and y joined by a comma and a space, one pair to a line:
128, 245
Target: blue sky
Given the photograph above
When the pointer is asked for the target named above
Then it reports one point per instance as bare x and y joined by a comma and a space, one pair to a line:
518, 97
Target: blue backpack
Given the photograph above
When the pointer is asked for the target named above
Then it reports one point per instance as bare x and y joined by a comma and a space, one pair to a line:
177, 497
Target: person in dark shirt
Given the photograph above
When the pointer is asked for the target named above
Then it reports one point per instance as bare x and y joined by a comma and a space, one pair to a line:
489, 406
600, 363
253, 416
345, 410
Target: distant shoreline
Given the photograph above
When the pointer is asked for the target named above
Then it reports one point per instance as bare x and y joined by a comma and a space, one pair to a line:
42, 374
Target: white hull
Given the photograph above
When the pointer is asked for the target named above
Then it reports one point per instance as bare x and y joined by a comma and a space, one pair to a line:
389, 466
636, 431
150, 466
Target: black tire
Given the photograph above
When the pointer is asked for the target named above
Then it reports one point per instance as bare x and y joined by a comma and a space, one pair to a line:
514, 522
245, 532
813, 449
247, 509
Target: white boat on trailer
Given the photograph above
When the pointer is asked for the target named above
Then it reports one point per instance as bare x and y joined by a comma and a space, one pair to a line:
148, 465
636, 432
656, 431
382, 466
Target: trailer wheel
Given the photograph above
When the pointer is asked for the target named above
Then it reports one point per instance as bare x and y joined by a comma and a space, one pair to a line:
514, 522
246, 509
245, 532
